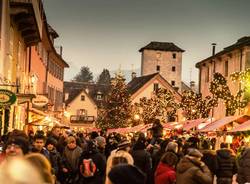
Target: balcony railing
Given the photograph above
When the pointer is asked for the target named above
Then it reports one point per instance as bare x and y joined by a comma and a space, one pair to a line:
82, 119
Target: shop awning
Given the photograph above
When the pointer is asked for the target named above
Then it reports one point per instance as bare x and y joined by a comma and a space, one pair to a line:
189, 124
219, 123
243, 127
41, 113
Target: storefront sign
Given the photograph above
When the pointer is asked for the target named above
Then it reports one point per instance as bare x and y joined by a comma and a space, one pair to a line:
7, 97
40, 101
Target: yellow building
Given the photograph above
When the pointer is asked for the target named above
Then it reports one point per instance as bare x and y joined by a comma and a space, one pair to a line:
21, 27
234, 58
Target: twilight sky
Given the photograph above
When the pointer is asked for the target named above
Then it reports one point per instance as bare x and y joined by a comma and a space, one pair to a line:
108, 33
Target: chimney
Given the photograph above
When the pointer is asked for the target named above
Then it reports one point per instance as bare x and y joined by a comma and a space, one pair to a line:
192, 86
133, 75
87, 90
66, 96
214, 45
61, 50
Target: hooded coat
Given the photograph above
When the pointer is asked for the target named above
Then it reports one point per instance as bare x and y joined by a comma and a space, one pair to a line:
244, 167
190, 170
165, 174
225, 164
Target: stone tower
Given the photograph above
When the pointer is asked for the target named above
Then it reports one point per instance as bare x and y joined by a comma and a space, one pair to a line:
164, 58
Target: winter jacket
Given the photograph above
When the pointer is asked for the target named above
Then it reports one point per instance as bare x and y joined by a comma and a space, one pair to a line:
225, 164
209, 157
56, 161
244, 167
142, 160
191, 171
71, 158
165, 174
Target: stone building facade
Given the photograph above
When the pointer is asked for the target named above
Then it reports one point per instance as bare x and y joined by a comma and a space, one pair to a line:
233, 58
164, 58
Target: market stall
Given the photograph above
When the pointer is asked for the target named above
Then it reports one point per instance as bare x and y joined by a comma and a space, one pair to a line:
243, 127
216, 125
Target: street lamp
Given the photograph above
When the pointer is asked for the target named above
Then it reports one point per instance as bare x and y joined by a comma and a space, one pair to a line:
136, 117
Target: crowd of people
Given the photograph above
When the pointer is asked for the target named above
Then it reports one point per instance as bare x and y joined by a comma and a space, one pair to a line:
67, 157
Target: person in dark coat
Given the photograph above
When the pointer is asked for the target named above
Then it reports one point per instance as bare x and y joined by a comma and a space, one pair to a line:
157, 157
125, 174
55, 157
192, 170
142, 158
100, 163
39, 145
61, 140
165, 172
243, 175
225, 166
70, 160
209, 156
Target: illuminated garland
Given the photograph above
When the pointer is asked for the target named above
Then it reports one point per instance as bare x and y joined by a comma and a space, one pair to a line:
220, 90
162, 105
194, 107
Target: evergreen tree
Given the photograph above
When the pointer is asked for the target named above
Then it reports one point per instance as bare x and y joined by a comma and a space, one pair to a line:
117, 112
85, 75
104, 78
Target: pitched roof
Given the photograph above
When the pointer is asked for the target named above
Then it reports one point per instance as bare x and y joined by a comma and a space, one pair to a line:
136, 83
52, 31
74, 89
163, 46
185, 87
72, 95
244, 41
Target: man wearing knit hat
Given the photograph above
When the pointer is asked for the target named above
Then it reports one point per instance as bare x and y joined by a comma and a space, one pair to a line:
16, 146
192, 170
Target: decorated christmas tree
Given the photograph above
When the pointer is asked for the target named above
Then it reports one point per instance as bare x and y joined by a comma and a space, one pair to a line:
162, 106
117, 112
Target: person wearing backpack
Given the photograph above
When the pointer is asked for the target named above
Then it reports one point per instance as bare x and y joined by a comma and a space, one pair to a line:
92, 165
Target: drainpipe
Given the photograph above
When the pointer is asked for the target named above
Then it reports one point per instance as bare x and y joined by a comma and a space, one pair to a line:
46, 75
213, 53
241, 56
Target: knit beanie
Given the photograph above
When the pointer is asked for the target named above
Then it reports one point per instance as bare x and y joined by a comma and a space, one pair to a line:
123, 144
126, 174
100, 140
52, 141
20, 141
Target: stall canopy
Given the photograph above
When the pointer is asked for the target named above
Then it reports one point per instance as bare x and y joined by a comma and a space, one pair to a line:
243, 127
189, 124
224, 121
